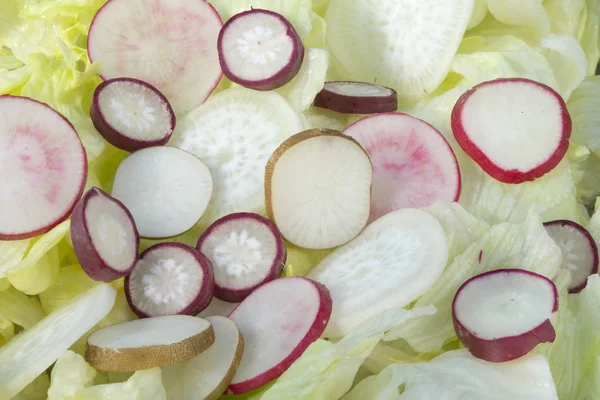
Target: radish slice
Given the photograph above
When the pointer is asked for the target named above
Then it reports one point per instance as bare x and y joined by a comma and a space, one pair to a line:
43, 168
171, 44
357, 98
132, 114
516, 129
246, 251
104, 236
170, 278
218, 308
318, 188
580, 252
166, 189
501, 315
413, 164
260, 49
278, 321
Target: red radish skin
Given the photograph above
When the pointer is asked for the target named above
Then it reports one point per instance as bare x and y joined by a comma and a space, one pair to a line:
356, 98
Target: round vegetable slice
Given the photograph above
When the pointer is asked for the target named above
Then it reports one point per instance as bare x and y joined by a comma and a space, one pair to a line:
356, 98
218, 308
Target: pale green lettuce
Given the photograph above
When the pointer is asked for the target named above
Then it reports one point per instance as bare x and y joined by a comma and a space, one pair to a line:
69, 374
20, 309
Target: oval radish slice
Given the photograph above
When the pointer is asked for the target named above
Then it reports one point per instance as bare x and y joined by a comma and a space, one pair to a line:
43, 168
171, 44
278, 321
356, 98
170, 278
580, 252
104, 236
516, 129
218, 308
260, 49
501, 315
246, 251
413, 164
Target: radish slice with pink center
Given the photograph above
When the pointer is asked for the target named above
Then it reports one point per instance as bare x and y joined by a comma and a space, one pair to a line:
357, 98
43, 168
170, 278
503, 314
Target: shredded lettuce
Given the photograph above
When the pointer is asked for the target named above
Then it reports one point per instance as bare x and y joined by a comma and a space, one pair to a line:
36, 390
69, 374
143, 385
20, 309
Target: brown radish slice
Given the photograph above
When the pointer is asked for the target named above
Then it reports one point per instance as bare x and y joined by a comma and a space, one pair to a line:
246, 251
170, 278
148, 343
43, 168
356, 98
501, 315
278, 321
104, 236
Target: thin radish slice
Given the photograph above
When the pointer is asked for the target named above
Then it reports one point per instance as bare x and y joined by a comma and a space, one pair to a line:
502, 315
260, 49
104, 236
218, 308
166, 189
171, 44
318, 188
357, 98
246, 251
43, 168
516, 129
170, 278
132, 114
413, 164
579, 250
278, 321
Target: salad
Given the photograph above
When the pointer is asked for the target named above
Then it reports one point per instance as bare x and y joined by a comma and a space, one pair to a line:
300, 199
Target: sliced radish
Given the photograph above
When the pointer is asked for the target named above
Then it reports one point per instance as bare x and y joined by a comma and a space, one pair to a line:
171, 44
318, 188
516, 129
166, 189
260, 49
413, 164
246, 251
104, 236
357, 98
579, 250
132, 114
278, 321
43, 168
218, 308
170, 278
501, 315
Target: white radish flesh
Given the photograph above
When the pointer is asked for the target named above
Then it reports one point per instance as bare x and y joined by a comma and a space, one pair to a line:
357, 98
218, 308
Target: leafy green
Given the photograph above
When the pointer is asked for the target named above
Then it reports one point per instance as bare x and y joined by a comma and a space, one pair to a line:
69, 374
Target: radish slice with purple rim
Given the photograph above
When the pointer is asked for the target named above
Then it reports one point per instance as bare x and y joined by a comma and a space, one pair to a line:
43, 168
104, 236
579, 250
356, 98
502, 315
168, 279
246, 251
260, 49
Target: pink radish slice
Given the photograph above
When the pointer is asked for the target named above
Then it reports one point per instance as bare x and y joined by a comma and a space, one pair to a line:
260, 49
516, 129
43, 168
356, 98
580, 253
132, 114
171, 44
104, 236
413, 164
168, 279
278, 321
501, 315
246, 251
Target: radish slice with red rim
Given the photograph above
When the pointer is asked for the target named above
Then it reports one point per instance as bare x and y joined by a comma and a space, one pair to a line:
168, 279
501, 315
356, 98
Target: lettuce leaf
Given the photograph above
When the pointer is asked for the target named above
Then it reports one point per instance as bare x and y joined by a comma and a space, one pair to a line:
529, 13
36, 390
7, 329
589, 34
565, 15
69, 374
143, 385
71, 281
583, 107
20, 309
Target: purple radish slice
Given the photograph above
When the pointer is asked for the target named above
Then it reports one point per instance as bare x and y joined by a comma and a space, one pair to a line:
132, 114
104, 236
579, 250
43, 168
260, 49
278, 321
501, 315
413, 164
169, 279
246, 251
356, 98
